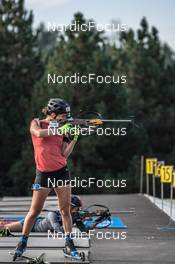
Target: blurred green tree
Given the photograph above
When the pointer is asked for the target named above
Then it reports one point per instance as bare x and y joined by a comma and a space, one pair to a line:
150, 67
20, 67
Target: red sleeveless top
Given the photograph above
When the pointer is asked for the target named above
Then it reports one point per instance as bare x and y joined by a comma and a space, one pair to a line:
47, 151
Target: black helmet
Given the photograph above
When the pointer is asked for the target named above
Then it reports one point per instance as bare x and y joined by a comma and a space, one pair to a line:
76, 201
58, 106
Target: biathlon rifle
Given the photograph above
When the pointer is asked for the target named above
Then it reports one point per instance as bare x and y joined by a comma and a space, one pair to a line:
89, 122
101, 214
94, 119
90, 119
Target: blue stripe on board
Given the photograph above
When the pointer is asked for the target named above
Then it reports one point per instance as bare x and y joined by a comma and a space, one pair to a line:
116, 222
11, 218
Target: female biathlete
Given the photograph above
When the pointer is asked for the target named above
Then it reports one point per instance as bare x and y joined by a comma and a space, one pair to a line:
51, 153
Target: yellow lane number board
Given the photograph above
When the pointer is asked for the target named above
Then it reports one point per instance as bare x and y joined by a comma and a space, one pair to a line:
166, 173
150, 165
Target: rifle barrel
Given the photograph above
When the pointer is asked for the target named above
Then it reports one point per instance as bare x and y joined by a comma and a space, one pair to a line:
117, 120
123, 212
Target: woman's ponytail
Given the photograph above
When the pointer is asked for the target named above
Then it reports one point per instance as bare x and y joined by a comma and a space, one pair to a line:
45, 111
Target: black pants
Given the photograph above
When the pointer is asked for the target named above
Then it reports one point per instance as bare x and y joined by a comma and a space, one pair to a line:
53, 179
